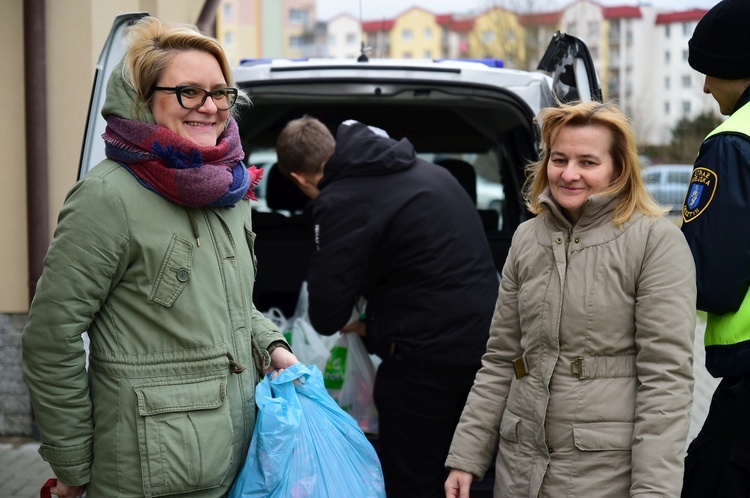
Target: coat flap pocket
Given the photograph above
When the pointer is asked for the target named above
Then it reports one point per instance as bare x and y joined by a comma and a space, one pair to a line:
199, 394
509, 426
601, 436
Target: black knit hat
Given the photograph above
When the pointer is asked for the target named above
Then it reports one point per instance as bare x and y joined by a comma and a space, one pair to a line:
720, 46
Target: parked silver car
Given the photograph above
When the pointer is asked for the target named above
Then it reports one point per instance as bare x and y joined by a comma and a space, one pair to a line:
668, 183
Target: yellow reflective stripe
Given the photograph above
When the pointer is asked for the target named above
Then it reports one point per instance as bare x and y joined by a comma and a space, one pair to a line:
729, 328
739, 121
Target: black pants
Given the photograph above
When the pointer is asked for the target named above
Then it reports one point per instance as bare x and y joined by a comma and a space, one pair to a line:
718, 460
418, 408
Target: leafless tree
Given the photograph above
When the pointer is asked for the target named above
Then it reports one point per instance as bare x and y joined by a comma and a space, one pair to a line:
516, 31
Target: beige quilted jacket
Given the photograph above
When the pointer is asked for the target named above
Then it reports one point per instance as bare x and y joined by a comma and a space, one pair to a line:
603, 319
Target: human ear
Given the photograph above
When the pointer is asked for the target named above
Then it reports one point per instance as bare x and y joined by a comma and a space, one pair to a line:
307, 185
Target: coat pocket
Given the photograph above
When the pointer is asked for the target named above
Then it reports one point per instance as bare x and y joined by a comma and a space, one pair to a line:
184, 434
174, 273
603, 436
509, 427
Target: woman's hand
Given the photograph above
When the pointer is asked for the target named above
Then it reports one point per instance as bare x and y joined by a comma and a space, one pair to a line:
458, 483
281, 358
64, 491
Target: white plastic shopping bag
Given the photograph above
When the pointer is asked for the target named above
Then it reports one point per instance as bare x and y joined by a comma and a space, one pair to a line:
350, 378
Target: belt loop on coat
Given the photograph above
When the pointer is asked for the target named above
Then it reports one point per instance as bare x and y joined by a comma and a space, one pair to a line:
577, 368
521, 367
604, 367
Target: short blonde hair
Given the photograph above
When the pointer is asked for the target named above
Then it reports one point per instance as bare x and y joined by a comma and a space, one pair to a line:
153, 44
628, 184
304, 145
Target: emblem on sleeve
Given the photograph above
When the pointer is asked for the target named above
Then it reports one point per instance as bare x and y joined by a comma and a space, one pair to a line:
699, 194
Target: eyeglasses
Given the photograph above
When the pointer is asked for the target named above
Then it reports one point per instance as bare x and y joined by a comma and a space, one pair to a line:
193, 97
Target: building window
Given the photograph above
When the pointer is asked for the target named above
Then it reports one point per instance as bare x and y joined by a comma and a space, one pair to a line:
666, 107
295, 41
666, 83
667, 57
407, 35
298, 16
488, 36
428, 33
406, 55
593, 28
686, 29
572, 28
227, 12
428, 54
331, 40
684, 56
686, 107
686, 81
228, 39
666, 31
351, 39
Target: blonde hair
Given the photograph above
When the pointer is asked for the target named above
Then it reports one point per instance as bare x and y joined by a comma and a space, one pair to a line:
153, 44
304, 145
627, 185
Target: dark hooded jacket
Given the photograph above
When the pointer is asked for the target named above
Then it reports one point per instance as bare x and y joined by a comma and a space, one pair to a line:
404, 234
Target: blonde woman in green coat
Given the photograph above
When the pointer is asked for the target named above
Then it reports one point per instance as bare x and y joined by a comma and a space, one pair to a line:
586, 386
153, 256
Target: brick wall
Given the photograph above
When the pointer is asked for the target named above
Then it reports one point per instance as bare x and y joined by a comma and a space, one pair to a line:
15, 407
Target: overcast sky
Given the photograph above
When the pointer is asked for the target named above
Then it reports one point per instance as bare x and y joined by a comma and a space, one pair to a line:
384, 9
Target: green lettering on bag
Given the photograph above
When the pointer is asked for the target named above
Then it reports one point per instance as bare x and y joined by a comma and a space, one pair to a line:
288, 334
335, 371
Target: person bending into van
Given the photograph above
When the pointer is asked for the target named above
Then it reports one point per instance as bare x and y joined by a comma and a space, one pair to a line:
715, 223
586, 386
404, 234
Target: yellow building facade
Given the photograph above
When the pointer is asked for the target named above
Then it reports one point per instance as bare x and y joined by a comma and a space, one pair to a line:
498, 34
416, 35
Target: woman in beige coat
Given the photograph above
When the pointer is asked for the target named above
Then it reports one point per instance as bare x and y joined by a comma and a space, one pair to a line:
586, 386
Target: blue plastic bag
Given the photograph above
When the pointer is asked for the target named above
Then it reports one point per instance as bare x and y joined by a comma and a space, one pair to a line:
304, 445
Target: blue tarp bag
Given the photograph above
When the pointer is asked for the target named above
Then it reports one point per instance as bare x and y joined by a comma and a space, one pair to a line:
304, 445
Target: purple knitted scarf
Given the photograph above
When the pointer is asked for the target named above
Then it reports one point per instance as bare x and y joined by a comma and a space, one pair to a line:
178, 169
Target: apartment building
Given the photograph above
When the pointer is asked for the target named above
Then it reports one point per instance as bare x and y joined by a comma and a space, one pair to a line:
454, 35
416, 34
678, 89
240, 23
639, 53
641, 57
378, 37
344, 37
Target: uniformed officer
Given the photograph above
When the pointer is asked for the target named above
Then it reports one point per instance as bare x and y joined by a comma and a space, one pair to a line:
716, 223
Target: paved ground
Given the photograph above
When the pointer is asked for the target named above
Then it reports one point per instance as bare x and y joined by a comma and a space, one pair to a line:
22, 471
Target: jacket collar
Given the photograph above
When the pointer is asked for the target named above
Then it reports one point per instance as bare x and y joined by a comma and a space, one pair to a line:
597, 210
593, 227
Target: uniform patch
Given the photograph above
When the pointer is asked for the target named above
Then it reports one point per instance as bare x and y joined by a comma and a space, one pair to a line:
700, 193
